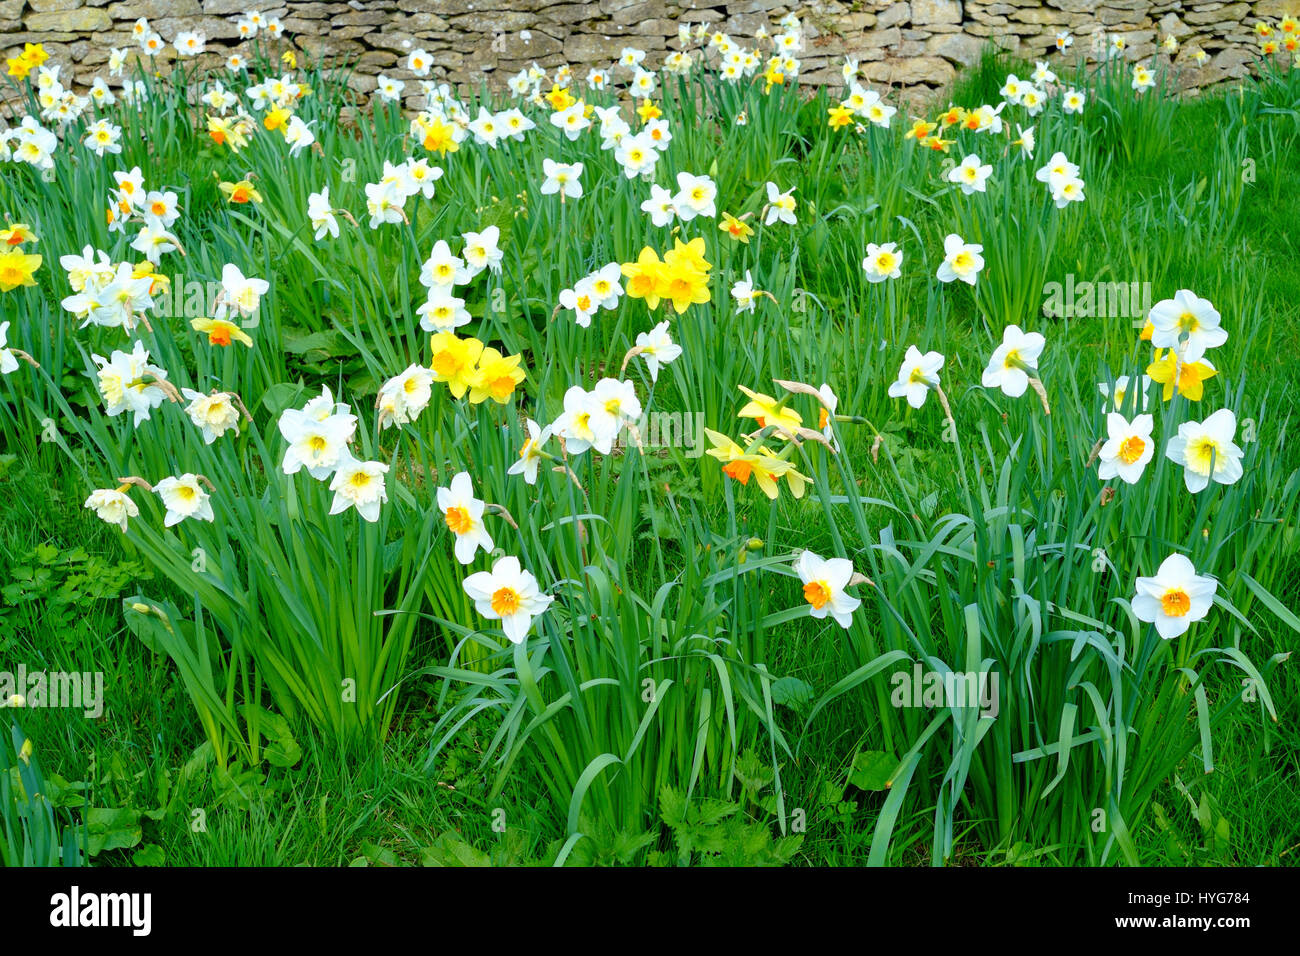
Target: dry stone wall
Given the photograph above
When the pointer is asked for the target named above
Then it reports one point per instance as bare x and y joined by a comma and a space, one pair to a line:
912, 44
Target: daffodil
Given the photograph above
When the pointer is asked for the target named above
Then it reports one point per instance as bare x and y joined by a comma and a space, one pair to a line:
240, 192
16, 234
360, 485
1188, 324
737, 229
970, 174
221, 332
403, 397
917, 375
1175, 598
882, 262
1188, 377
17, 268
961, 260
112, 505
840, 117
531, 454
1206, 451
1014, 361
768, 411
1128, 448
183, 498
824, 581
463, 515
213, 414
455, 361
508, 594
496, 377
585, 423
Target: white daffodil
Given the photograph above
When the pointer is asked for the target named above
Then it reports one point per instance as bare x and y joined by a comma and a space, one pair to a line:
112, 506
1187, 324
530, 456
1014, 361
882, 262
508, 594
780, 205
316, 442
824, 581
562, 178
214, 414
657, 348
127, 383
321, 214
961, 260
239, 293
581, 300
360, 485
970, 174
660, 206
442, 310
1206, 451
183, 497
917, 375
1128, 448
583, 424
403, 397
1175, 598
482, 250
696, 196
463, 514
1118, 397
442, 268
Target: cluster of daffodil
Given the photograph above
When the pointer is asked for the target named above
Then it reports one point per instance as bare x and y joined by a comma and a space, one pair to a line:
1279, 39
681, 277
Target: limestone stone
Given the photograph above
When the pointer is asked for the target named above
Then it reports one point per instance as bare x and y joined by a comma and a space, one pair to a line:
912, 45
936, 11
84, 20
957, 47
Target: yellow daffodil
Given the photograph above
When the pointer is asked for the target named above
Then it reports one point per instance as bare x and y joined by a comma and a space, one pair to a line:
276, 119
759, 464
33, 55
17, 268
496, 377
840, 117
647, 111
240, 192
921, 130
221, 332
769, 411
645, 277
454, 361
439, 137
952, 116
145, 270
737, 229
560, 98
17, 234
1188, 377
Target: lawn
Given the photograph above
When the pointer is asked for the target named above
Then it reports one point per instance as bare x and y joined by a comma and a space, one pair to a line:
395, 550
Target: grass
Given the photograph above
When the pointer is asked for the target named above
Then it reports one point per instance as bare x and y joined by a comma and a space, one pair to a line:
761, 740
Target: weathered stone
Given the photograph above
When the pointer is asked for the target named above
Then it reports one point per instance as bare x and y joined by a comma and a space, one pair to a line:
84, 20
936, 11
957, 47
